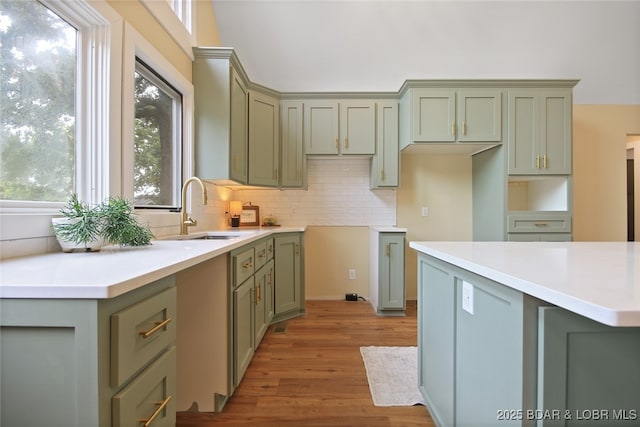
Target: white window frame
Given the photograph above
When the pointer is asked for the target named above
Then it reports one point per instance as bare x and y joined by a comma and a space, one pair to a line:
150, 74
97, 116
137, 46
179, 24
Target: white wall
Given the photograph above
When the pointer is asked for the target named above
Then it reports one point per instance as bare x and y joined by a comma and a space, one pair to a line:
376, 45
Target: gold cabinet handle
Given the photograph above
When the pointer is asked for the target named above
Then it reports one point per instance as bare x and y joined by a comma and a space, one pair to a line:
544, 161
464, 127
297, 249
388, 248
261, 254
537, 162
337, 144
453, 128
540, 224
247, 264
159, 325
163, 404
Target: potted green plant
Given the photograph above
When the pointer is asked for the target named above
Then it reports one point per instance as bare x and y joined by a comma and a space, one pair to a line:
80, 226
90, 228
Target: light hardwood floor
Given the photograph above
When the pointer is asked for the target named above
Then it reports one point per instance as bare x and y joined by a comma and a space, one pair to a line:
312, 374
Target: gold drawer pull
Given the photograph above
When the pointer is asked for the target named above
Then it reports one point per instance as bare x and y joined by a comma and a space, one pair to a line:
261, 254
163, 404
159, 325
247, 264
540, 224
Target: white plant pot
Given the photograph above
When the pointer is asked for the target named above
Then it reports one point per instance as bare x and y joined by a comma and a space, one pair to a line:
67, 246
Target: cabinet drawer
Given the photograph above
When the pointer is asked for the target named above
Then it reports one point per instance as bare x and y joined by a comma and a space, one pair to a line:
150, 395
539, 224
261, 254
243, 266
140, 332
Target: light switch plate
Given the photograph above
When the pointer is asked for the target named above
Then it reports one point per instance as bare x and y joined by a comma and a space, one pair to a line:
467, 297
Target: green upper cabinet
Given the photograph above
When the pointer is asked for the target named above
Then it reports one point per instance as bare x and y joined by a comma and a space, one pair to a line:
221, 115
291, 139
540, 131
345, 127
321, 127
264, 142
358, 127
385, 163
462, 115
239, 120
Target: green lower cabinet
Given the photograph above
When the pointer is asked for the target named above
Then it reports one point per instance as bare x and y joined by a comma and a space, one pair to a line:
436, 340
243, 328
391, 287
289, 286
588, 373
489, 355
86, 362
263, 301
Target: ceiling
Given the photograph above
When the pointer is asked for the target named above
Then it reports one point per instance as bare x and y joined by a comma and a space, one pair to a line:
375, 45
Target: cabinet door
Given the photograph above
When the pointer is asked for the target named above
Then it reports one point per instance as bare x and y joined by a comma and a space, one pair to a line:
358, 127
436, 340
479, 115
434, 115
555, 131
321, 127
385, 163
269, 283
264, 143
391, 285
523, 131
293, 159
259, 315
239, 127
586, 366
243, 308
288, 277
540, 131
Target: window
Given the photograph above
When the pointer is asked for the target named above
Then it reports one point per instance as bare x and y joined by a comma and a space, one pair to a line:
38, 103
157, 140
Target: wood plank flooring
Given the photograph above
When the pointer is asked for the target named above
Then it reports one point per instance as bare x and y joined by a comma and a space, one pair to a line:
312, 373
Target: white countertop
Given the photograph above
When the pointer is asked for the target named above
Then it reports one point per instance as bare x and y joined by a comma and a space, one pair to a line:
387, 229
598, 280
113, 271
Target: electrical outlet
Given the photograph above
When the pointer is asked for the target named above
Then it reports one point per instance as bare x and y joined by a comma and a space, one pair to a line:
352, 274
425, 211
467, 297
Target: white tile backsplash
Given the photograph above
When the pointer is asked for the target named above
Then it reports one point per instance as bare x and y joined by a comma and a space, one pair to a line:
338, 193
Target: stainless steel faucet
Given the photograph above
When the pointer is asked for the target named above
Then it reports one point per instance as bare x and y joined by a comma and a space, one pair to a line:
185, 220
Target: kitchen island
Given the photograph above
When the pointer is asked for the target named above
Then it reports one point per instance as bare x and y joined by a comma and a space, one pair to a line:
536, 333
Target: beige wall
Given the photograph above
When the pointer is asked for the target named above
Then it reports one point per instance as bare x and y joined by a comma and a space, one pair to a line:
206, 32
329, 254
599, 170
443, 184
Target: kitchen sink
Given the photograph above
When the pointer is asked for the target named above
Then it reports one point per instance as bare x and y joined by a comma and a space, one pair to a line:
213, 235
